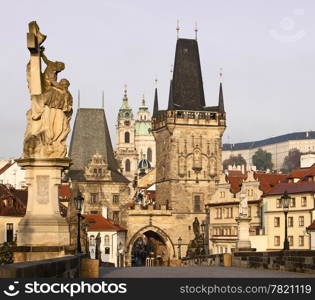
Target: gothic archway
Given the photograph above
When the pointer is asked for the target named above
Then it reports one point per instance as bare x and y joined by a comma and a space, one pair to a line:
150, 242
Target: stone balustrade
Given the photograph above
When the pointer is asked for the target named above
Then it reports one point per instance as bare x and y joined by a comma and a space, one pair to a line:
63, 267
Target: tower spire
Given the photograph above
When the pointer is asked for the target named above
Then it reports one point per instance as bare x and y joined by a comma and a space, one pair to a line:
221, 99
156, 103
103, 99
125, 93
78, 99
196, 30
177, 29
143, 100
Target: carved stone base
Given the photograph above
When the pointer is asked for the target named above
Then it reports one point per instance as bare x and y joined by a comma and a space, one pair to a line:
23, 254
243, 233
42, 224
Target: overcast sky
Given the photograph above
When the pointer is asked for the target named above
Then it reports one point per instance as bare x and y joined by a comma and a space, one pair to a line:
266, 50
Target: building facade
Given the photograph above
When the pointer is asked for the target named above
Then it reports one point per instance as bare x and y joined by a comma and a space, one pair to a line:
300, 186
278, 146
94, 170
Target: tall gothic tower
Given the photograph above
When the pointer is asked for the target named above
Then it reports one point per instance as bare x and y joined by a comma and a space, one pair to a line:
188, 137
125, 139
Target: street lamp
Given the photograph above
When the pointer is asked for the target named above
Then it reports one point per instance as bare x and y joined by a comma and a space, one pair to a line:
78, 204
285, 200
179, 246
86, 229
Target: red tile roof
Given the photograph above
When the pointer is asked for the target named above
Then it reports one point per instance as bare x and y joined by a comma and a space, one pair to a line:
292, 188
312, 226
64, 191
298, 173
235, 173
269, 180
5, 167
309, 173
235, 183
99, 223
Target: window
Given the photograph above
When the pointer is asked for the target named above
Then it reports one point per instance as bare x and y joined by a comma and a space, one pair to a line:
277, 240
249, 211
222, 194
290, 238
127, 165
127, 137
107, 250
228, 212
197, 207
250, 192
290, 221
301, 221
149, 154
106, 240
9, 232
116, 199
276, 222
278, 204
93, 198
219, 213
116, 216
301, 240
303, 201
292, 202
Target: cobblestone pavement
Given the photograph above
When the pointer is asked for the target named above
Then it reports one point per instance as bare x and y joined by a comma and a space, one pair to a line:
194, 272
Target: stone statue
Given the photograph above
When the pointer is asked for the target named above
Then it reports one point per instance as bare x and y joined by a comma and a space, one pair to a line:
51, 103
243, 206
98, 246
196, 228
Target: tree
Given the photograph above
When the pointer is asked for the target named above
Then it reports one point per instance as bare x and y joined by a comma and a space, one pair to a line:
291, 161
262, 160
238, 160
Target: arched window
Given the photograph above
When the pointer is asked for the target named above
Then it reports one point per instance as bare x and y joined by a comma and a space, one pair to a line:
149, 154
127, 165
127, 137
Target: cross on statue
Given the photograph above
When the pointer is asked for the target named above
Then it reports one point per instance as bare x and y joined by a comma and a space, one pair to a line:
34, 40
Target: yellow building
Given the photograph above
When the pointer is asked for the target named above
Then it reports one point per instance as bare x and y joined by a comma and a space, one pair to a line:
224, 209
300, 186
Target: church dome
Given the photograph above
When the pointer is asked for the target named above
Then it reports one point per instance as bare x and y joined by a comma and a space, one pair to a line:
144, 164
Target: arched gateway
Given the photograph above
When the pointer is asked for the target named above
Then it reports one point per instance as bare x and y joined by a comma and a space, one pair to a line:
150, 246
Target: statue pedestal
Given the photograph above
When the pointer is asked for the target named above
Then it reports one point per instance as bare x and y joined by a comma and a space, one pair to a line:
42, 226
243, 243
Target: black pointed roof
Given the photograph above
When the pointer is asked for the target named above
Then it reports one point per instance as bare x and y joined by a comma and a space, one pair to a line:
170, 96
90, 136
156, 103
187, 86
221, 100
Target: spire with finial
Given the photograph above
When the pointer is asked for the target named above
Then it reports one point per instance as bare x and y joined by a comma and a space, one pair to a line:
221, 100
177, 29
125, 93
156, 103
78, 99
143, 100
103, 99
196, 30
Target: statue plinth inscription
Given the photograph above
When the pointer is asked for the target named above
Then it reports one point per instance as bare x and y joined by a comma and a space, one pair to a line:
44, 150
243, 222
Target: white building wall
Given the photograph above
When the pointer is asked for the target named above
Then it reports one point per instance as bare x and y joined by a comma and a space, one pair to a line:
14, 176
279, 151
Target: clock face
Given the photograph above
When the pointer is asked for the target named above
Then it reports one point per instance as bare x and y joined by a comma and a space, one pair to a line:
127, 123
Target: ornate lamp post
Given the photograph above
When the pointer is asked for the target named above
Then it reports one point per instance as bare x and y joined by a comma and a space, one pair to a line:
285, 200
179, 247
78, 204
